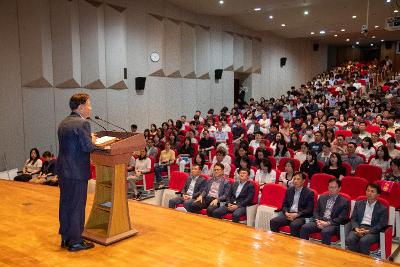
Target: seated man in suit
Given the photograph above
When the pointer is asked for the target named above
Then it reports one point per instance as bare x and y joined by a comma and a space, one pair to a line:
240, 196
215, 192
298, 204
194, 185
368, 219
332, 209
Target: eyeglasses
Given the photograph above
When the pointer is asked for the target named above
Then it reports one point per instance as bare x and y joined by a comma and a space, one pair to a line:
218, 169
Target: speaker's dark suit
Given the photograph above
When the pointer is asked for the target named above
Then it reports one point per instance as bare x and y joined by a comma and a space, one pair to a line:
243, 200
378, 222
305, 209
339, 213
73, 170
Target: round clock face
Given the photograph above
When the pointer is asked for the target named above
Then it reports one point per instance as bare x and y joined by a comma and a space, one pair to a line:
155, 57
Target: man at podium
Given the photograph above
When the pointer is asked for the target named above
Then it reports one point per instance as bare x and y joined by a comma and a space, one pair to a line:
73, 170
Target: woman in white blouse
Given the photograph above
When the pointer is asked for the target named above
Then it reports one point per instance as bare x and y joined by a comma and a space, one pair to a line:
302, 154
142, 166
286, 177
391, 145
32, 166
265, 174
382, 159
367, 148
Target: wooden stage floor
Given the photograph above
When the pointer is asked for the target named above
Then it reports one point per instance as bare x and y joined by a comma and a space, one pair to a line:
29, 224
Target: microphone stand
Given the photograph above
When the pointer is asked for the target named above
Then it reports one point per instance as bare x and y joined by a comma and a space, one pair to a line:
98, 118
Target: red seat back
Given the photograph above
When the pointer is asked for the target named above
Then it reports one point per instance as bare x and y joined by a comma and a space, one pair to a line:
273, 195
256, 192
370, 172
354, 186
347, 166
346, 133
319, 182
177, 180
393, 197
273, 162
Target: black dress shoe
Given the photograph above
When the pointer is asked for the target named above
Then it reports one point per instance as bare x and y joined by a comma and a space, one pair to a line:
64, 243
81, 246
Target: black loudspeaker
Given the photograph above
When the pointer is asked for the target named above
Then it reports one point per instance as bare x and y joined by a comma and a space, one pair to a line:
125, 73
218, 74
283, 61
315, 47
140, 83
388, 45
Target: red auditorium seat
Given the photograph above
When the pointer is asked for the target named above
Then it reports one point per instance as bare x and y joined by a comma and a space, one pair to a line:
282, 162
345, 133
369, 172
319, 182
176, 184
354, 186
272, 197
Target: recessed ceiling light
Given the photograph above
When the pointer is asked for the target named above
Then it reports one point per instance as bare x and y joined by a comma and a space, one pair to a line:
357, 43
342, 30
312, 33
347, 40
395, 11
283, 24
271, 17
373, 37
221, 2
388, 1
354, 16
322, 32
371, 44
305, 12
257, 9
382, 40
335, 35
376, 26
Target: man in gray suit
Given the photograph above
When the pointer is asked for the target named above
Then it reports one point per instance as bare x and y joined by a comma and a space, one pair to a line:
368, 219
194, 185
215, 192
73, 170
332, 209
240, 196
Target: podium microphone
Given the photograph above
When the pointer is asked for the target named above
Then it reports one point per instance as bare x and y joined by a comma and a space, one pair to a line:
98, 124
98, 118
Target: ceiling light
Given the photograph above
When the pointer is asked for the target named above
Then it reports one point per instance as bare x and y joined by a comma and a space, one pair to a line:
371, 44
306, 12
357, 43
373, 37
312, 33
347, 40
322, 32
395, 11
388, 1
271, 17
382, 40
257, 9
221, 2
342, 30
335, 35
354, 16
283, 24
376, 26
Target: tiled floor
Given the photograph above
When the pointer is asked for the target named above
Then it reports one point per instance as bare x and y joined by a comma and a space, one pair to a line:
395, 245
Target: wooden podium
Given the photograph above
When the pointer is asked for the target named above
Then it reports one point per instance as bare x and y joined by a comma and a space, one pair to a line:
109, 220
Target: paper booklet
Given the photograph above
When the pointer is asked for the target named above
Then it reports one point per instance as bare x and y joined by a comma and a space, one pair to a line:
105, 140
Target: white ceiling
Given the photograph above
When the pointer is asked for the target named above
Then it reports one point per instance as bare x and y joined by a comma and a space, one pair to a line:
328, 15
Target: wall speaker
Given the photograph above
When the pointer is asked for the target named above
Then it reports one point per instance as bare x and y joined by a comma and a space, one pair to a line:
218, 74
125, 73
283, 61
140, 83
315, 47
388, 45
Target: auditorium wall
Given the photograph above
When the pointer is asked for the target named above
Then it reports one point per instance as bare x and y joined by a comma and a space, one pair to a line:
51, 49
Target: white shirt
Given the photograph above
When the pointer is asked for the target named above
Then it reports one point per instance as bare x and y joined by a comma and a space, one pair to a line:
265, 177
369, 209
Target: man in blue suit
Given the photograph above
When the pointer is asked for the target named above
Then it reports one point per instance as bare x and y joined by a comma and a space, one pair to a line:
240, 196
215, 192
369, 217
298, 205
73, 170
332, 209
